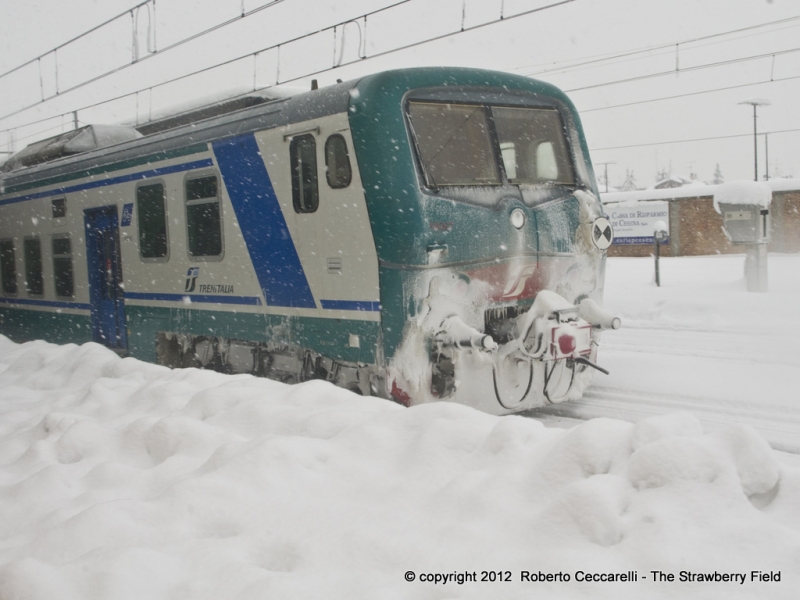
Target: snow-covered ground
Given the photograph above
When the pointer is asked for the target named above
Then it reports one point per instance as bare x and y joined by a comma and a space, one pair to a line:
701, 342
120, 479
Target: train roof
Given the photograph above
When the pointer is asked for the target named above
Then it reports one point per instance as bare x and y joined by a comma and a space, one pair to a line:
267, 115
285, 111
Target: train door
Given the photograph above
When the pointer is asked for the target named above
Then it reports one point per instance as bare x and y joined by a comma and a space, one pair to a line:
105, 277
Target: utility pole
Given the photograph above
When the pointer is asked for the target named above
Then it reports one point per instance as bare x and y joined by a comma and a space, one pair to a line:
756, 102
605, 164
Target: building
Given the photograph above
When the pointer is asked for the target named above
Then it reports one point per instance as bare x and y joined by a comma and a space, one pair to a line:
696, 228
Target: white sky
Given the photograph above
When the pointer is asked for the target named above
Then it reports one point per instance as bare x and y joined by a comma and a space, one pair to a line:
540, 44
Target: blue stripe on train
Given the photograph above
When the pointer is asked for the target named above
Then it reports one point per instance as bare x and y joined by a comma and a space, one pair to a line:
197, 164
359, 305
272, 251
48, 303
207, 298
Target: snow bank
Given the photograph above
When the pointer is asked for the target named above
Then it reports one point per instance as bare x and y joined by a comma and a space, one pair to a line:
121, 479
743, 192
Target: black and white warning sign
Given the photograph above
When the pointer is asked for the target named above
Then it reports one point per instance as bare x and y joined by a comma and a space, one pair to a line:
602, 233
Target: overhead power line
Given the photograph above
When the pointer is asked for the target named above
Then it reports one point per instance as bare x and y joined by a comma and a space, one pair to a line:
61, 93
685, 141
689, 94
713, 65
503, 18
76, 38
136, 59
593, 60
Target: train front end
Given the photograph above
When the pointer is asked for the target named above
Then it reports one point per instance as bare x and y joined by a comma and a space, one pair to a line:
490, 237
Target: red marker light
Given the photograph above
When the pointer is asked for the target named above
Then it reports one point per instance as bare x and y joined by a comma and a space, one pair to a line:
567, 344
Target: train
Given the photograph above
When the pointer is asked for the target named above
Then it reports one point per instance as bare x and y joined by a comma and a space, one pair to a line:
423, 234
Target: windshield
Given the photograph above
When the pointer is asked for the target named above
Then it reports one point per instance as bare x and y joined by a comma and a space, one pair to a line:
454, 144
464, 144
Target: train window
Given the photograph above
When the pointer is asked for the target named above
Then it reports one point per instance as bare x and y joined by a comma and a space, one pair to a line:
204, 216
454, 144
34, 280
8, 267
305, 188
533, 145
59, 208
152, 217
62, 267
337, 162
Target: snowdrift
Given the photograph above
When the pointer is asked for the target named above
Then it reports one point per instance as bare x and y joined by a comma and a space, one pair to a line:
121, 479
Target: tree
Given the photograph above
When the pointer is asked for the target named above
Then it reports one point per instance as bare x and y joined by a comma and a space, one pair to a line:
630, 182
718, 177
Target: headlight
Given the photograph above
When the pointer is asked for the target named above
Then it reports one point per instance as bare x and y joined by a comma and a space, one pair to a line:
517, 218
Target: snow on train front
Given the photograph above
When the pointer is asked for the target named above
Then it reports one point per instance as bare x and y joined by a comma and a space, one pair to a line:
490, 235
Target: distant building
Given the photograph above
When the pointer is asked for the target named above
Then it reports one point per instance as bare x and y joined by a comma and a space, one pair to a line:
674, 181
696, 228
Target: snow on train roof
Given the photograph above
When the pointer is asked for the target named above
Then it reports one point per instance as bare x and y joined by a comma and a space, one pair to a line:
314, 104
90, 137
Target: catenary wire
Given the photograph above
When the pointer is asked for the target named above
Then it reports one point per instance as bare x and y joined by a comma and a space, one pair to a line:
194, 37
274, 46
75, 39
703, 139
668, 46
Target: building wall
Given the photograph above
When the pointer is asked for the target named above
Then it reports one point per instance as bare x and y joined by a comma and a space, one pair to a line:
697, 229
785, 222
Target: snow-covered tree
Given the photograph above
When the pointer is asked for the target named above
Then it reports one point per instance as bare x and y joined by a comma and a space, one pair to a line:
718, 177
630, 182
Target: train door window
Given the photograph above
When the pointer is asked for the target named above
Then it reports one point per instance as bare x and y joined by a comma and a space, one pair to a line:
62, 267
337, 162
305, 187
204, 216
152, 217
59, 208
34, 280
8, 267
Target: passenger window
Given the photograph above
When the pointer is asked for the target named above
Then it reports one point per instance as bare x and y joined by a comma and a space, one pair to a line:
152, 216
59, 208
337, 162
62, 267
34, 281
203, 216
305, 188
8, 267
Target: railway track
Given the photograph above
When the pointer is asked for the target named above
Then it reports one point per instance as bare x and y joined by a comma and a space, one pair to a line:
738, 357
779, 425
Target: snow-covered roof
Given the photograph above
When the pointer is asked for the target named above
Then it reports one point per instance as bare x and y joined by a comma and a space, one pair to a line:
704, 191
674, 181
743, 192
77, 141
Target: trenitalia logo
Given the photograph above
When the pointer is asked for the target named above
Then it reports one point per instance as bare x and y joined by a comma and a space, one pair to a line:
191, 278
517, 284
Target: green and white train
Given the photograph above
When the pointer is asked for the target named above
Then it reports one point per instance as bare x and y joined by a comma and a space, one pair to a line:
421, 234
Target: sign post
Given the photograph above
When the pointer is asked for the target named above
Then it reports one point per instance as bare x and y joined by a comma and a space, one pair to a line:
660, 235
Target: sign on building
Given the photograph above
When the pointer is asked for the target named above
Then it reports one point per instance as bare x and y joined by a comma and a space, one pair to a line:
635, 223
